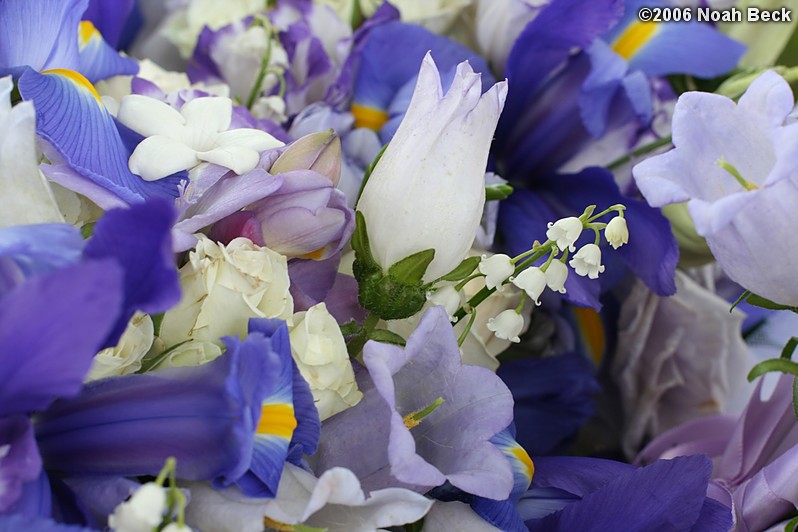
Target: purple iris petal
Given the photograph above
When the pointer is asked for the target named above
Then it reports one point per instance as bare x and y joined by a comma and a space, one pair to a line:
139, 238
117, 20
553, 398
451, 443
39, 249
41, 34
203, 416
38, 524
78, 306
98, 60
622, 497
70, 116
21, 462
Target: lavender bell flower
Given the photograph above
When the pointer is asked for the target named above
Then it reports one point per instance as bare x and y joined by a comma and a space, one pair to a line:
385, 441
735, 165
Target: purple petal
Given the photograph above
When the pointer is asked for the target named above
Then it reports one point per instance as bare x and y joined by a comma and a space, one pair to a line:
77, 306
21, 462
139, 238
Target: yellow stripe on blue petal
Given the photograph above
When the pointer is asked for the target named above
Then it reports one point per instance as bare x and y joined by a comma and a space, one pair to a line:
633, 38
523, 459
277, 420
86, 32
76, 78
592, 329
368, 117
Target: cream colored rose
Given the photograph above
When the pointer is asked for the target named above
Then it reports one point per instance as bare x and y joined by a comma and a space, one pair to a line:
190, 354
320, 353
125, 357
223, 287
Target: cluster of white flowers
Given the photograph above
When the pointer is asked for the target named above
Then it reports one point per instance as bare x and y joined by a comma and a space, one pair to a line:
562, 236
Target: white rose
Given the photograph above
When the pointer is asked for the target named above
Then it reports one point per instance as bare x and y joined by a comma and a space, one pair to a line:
320, 353
225, 286
189, 354
125, 357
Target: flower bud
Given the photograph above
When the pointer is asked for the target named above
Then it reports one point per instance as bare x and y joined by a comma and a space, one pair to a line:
428, 189
320, 152
616, 232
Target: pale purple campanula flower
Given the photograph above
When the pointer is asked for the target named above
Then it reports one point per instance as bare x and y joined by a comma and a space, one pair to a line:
748, 219
450, 443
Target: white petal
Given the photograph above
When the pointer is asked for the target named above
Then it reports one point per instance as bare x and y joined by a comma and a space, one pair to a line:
237, 158
249, 138
209, 114
148, 116
157, 157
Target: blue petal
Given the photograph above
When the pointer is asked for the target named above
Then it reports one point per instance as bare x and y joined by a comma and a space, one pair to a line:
21, 463
71, 117
40, 249
140, 240
553, 398
308, 430
661, 49
117, 20
76, 307
127, 426
17, 522
392, 56
41, 34
668, 494
548, 41
97, 59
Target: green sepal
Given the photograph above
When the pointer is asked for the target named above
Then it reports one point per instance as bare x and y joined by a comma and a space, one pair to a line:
463, 270
410, 270
791, 525
387, 337
759, 301
305, 528
498, 192
349, 328
389, 299
369, 169
364, 260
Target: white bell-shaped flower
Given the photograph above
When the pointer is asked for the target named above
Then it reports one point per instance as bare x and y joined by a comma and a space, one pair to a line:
507, 325
565, 232
448, 298
141, 512
587, 261
556, 274
616, 232
532, 281
496, 268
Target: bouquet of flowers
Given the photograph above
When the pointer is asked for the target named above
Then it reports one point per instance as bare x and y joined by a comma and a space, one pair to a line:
355, 265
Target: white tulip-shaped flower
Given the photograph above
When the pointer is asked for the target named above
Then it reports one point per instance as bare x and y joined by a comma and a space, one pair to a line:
428, 189
179, 140
587, 261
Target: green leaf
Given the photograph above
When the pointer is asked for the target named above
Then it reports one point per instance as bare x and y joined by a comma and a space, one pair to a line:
157, 320
410, 270
463, 270
148, 364
790, 526
739, 300
305, 528
387, 337
87, 230
498, 192
418, 526
773, 364
759, 301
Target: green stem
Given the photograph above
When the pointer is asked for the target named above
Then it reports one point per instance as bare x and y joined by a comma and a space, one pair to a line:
459, 286
355, 345
465, 332
264, 66
639, 151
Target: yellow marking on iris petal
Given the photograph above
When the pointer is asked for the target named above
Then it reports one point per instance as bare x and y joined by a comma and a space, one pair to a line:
522, 456
77, 78
86, 31
369, 117
635, 37
592, 330
277, 420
